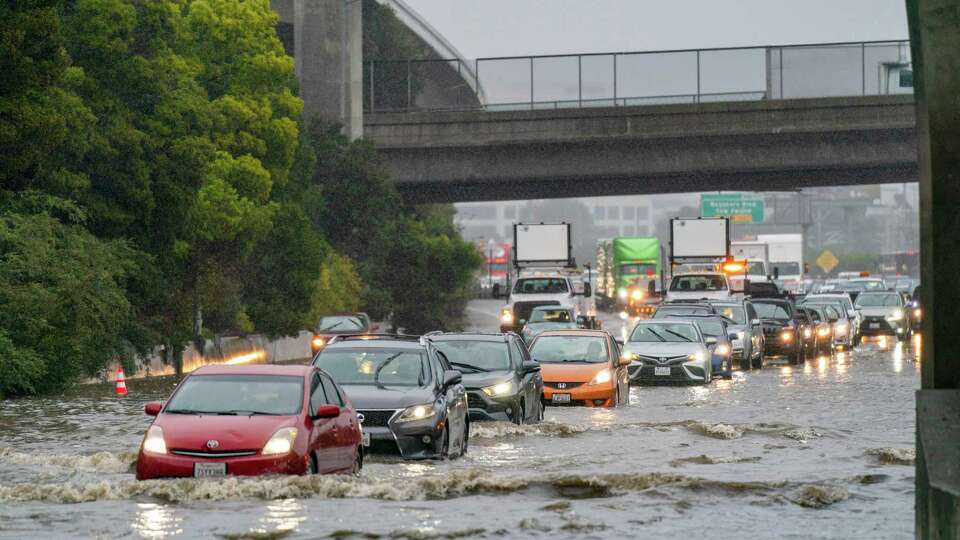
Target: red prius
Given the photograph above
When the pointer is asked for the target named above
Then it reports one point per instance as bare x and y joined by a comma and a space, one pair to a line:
252, 420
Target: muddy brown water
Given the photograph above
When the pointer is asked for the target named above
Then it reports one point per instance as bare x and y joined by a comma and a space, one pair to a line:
819, 451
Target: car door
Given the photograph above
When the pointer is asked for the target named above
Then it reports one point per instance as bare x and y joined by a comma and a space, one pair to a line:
519, 355
756, 329
343, 431
455, 398
323, 434
620, 372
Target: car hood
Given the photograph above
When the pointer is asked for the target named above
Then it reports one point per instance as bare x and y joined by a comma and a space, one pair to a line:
192, 431
474, 381
662, 349
570, 372
389, 397
538, 327
877, 311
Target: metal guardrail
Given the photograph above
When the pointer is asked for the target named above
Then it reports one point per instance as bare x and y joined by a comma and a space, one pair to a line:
639, 78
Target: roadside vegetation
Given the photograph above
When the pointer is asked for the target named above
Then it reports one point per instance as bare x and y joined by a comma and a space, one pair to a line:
158, 185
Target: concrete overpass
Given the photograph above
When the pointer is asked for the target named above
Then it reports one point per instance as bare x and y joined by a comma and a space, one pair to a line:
743, 146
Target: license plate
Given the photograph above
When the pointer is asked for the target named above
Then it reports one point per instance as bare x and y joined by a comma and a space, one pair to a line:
662, 371
209, 470
366, 438
874, 326
561, 398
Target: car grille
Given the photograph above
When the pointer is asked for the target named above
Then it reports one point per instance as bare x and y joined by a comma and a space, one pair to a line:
566, 385
223, 454
663, 360
474, 401
377, 418
522, 310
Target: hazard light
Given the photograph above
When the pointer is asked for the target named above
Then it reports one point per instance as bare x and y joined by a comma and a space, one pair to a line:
734, 267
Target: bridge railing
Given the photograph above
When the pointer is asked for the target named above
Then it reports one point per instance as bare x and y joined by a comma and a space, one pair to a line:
639, 78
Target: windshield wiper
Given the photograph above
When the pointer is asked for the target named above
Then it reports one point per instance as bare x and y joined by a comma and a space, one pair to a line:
187, 411
332, 326
468, 366
376, 375
681, 336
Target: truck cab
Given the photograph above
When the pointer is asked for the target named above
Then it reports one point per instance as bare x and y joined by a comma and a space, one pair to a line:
543, 288
699, 286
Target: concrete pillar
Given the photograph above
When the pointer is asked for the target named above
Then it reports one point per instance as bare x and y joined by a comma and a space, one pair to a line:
328, 49
935, 45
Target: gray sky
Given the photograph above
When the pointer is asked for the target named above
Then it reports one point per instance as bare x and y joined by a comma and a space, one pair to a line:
480, 28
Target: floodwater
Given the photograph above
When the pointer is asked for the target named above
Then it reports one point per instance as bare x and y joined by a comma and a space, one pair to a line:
819, 451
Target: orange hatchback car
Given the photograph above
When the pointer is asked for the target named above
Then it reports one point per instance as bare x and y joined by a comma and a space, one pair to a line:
581, 367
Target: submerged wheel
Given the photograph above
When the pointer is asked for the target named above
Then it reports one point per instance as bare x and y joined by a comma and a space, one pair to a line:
465, 440
312, 465
521, 414
357, 462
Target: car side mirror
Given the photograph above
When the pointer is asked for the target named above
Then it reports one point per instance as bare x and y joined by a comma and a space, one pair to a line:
852, 313
755, 322
530, 366
522, 322
776, 273
326, 411
451, 377
624, 361
581, 321
732, 337
153, 408
587, 290
619, 341
711, 340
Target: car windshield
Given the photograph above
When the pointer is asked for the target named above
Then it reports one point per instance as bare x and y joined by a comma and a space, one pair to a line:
878, 300
756, 268
540, 286
638, 269
772, 311
670, 311
556, 349
785, 268
550, 315
379, 367
338, 323
869, 285
475, 356
238, 394
664, 332
711, 328
698, 283
734, 313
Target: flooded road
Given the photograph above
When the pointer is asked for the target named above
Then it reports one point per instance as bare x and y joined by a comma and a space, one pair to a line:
819, 451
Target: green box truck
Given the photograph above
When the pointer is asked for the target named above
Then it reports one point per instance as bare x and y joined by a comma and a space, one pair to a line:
630, 274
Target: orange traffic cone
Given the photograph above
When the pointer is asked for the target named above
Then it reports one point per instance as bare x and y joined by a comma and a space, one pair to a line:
121, 383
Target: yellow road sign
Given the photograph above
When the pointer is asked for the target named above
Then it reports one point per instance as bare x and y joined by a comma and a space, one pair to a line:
827, 261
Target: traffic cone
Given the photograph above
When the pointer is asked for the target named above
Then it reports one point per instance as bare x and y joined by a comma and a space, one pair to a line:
121, 383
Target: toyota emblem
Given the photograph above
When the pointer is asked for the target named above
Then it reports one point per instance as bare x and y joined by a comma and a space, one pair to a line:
561, 385
663, 360
213, 444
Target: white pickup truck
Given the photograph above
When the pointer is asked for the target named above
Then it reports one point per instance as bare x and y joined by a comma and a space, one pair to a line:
699, 286
543, 289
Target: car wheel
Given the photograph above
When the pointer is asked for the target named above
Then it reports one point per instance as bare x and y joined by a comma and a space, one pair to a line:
465, 440
357, 462
521, 414
312, 465
444, 451
543, 409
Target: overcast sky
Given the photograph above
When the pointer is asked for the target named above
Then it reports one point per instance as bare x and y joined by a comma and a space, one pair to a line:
480, 28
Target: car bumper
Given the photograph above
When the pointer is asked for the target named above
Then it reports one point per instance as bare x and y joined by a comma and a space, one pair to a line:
645, 374
775, 347
170, 465
585, 395
484, 408
883, 328
412, 440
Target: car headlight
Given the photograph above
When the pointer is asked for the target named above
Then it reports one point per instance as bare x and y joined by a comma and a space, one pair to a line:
917, 313
786, 335
280, 442
153, 442
895, 316
722, 349
503, 389
807, 333
601, 377
696, 357
416, 412
506, 316
319, 342
636, 294
622, 293
824, 332
624, 316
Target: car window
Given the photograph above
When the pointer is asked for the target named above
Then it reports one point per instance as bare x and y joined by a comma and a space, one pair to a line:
333, 397
550, 315
519, 353
482, 355
698, 283
340, 323
558, 349
879, 300
751, 313
540, 286
376, 366
318, 395
772, 311
268, 394
735, 314
711, 328
665, 333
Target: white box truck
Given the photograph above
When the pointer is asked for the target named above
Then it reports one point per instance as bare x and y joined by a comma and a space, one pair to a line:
786, 259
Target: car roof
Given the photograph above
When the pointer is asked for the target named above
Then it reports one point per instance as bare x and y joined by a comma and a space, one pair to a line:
468, 336
254, 369
685, 305
574, 332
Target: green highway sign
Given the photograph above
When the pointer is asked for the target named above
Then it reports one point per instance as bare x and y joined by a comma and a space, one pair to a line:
739, 207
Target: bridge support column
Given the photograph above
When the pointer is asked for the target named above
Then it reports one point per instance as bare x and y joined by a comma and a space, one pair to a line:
328, 49
935, 44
